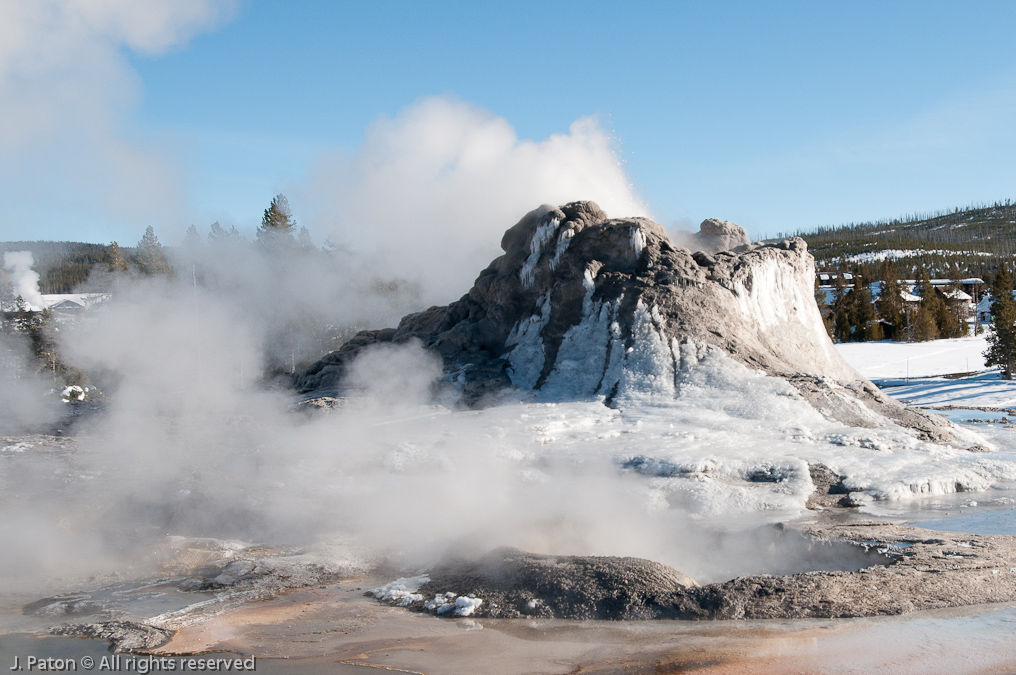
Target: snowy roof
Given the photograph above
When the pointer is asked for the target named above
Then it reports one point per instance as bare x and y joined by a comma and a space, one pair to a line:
957, 294
985, 303
971, 281
86, 300
875, 288
60, 300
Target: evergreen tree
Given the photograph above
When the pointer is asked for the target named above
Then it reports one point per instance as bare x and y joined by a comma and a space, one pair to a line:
151, 259
925, 323
191, 240
890, 301
277, 224
820, 300
115, 259
951, 316
304, 239
219, 235
841, 309
864, 325
1001, 350
923, 326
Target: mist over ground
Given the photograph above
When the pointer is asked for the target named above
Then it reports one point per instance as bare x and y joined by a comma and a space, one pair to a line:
195, 435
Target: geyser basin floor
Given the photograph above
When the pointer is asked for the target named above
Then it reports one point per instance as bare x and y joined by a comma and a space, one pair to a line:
321, 631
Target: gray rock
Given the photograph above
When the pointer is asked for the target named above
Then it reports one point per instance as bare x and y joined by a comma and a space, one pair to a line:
123, 636
720, 235
513, 583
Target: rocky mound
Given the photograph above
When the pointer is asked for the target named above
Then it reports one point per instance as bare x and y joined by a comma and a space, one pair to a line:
513, 583
912, 570
581, 305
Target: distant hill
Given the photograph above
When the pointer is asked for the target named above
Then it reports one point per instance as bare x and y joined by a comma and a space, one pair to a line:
65, 266
976, 239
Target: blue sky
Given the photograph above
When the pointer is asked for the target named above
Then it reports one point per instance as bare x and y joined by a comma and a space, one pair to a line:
777, 116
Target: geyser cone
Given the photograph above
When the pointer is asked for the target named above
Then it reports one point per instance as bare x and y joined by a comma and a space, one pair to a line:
581, 305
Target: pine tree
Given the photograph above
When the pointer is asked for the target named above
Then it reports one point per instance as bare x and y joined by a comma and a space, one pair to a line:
151, 259
890, 301
219, 235
1001, 350
304, 239
277, 224
925, 323
820, 300
863, 313
191, 240
115, 259
841, 309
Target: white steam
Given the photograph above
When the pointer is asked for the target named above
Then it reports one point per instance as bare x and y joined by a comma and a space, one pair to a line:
24, 279
429, 193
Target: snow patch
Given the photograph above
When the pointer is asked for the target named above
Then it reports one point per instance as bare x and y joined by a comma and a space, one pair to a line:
450, 603
402, 591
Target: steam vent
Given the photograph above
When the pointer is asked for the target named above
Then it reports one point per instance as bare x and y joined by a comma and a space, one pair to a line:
581, 306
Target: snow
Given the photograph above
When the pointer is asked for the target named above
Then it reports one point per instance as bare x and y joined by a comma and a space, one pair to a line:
448, 603
722, 440
86, 300
402, 591
897, 254
72, 393
982, 390
887, 359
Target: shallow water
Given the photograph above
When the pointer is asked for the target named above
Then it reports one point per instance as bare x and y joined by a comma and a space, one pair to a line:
972, 415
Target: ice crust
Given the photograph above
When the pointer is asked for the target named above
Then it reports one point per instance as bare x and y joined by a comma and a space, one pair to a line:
723, 441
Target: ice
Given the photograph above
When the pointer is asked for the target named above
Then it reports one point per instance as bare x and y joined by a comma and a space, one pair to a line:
543, 234
527, 357
638, 240
583, 351
464, 605
562, 245
402, 591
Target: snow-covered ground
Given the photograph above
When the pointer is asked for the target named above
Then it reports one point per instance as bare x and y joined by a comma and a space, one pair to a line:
911, 372
887, 359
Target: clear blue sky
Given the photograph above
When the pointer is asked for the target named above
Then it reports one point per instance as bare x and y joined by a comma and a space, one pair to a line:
777, 116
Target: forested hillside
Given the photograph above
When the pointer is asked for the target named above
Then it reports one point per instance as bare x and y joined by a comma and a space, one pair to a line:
65, 266
974, 240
